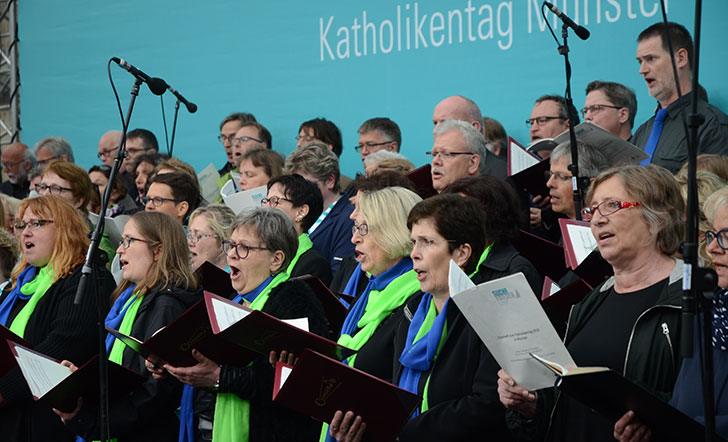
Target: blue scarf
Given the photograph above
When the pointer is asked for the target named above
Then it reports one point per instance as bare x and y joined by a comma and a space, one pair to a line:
250, 296
116, 315
27, 275
351, 285
417, 356
187, 406
375, 283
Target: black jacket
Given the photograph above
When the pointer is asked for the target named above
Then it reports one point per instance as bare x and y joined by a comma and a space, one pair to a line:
463, 396
504, 260
312, 263
271, 422
61, 330
342, 276
148, 412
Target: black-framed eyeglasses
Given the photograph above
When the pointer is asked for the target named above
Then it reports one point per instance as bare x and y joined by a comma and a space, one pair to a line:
273, 201
158, 200
542, 120
305, 138
105, 153
720, 235
222, 138
245, 139
609, 207
445, 155
194, 239
53, 189
362, 228
369, 146
43, 163
596, 108
34, 224
558, 175
127, 240
241, 250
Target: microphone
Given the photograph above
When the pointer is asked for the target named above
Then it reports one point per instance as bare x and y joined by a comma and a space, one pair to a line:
580, 31
156, 85
191, 107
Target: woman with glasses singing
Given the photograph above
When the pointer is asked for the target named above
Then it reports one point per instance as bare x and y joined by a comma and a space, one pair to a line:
68, 181
631, 322
158, 286
301, 200
261, 246
38, 306
208, 227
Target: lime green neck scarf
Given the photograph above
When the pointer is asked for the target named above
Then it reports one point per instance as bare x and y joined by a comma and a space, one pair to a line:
483, 256
304, 245
36, 288
117, 349
231, 422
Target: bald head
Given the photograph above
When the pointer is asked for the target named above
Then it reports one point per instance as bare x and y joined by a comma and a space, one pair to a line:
108, 144
459, 108
17, 160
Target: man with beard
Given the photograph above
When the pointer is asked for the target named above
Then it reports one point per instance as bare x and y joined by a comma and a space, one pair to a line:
17, 160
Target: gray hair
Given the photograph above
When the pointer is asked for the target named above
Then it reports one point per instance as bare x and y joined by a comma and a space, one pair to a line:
58, 146
382, 155
619, 94
473, 138
315, 159
273, 228
592, 161
385, 126
29, 156
716, 201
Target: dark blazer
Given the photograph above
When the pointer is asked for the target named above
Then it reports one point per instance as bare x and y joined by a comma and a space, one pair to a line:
463, 396
494, 165
504, 260
270, 422
61, 330
342, 276
333, 237
312, 263
148, 412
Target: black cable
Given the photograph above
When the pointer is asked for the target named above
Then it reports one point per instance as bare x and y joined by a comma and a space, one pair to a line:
543, 14
116, 94
164, 122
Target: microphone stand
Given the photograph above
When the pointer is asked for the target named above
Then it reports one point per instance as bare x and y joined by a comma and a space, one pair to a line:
87, 273
174, 126
578, 183
699, 283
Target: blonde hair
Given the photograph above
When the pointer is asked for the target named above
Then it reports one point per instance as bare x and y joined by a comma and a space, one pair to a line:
315, 159
173, 265
385, 212
71, 239
219, 217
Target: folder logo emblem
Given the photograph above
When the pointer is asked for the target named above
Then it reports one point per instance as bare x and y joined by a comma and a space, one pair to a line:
327, 388
196, 337
503, 295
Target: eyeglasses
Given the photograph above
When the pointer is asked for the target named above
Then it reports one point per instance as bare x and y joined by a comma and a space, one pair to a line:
223, 138
158, 200
542, 120
609, 207
369, 146
105, 153
362, 228
194, 239
273, 201
445, 155
595, 109
424, 243
43, 163
241, 250
10, 164
245, 139
305, 138
34, 224
53, 189
720, 235
127, 240
557, 175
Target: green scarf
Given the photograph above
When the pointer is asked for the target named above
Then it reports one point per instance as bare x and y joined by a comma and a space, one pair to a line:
379, 305
231, 422
117, 349
426, 326
37, 288
304, 245
483, 256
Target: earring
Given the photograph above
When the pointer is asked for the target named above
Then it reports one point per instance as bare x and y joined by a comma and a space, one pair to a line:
299, 218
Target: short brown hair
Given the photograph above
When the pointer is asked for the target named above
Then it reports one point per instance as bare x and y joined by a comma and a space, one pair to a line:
81, 186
